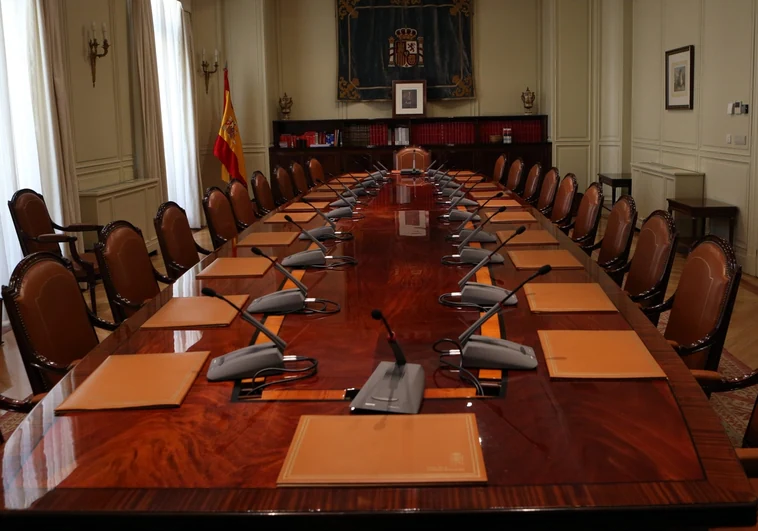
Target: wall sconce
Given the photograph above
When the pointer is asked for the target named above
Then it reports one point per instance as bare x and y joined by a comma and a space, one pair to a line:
208, 73
94, 55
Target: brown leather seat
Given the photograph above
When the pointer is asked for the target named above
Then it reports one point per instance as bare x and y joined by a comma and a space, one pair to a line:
178, 246
650, 267
617, 240
52, 323
531, 191
404, 158
498, 172
316, 171
128, 274
222, 224
242, 206
36, 232
284, 185
548, 190
564, 200
587, 218
702, 305
262, 193
299, 178
513, 181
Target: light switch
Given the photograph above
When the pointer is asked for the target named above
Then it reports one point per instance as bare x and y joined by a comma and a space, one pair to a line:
738, 107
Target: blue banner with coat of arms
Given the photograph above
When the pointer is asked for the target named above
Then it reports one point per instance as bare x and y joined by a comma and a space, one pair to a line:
383, 40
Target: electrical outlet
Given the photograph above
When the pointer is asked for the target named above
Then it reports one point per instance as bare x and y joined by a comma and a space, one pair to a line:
728, 138
740, 140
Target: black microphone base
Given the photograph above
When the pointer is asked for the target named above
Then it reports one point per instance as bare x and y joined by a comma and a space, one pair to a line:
343, 202
485, 295
305, 259
391, 388
320, 233
245, 362
481, 352
462, 215
470, 255
481, 236
285, 301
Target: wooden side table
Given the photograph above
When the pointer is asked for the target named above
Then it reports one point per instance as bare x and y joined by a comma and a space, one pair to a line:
616, 180
702, 209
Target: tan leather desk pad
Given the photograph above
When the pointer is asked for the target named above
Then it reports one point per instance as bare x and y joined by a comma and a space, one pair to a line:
483, 195
497, 203
482, 187
315, 196
569, 297
384, 450
137, 381
510, 217
268, 239
251, 266
297, 217
303, 207
597, 354
195, 312
530, 237
556, 258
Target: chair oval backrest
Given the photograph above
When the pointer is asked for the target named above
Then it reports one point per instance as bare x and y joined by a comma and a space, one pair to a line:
564, 199
499, 170
653, 256
284, 183
49, 316
299, 178
242, 206
548, 189
404, 158
588, 215
126, 267
532, 186
220, 216
264, 197
30, 216
175, 239
316, 170
704, 297
619, 231
514, 175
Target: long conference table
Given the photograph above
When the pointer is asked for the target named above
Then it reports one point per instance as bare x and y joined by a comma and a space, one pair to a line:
589, 453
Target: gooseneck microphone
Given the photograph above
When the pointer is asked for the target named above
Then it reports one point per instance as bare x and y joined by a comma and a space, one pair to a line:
487, 258
477, 230
281, 269
476, 211
310, 236
396, 350
325, 233
315, 257
341, 200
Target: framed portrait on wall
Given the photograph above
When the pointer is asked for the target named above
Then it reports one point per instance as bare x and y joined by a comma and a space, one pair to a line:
408, 98
680, 78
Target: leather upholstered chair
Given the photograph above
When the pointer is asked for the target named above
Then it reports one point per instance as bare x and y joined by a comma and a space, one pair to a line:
587, 218
128, 274
264, 197
531, 192
701, 307
51, 322
564, 200
617, 240
498, 172
219, 214
242, 206
650, 267
284, 185
299, 178
178, 247
316, 171
515, 172
548, 189
36, 232
404, 158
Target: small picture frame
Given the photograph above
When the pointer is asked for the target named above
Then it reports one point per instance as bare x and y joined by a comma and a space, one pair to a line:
408, 98
680, 78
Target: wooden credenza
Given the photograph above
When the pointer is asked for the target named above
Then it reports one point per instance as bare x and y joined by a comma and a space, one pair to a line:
653, 183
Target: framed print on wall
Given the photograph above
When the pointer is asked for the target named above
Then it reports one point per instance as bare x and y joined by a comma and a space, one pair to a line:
680, 78
408, 98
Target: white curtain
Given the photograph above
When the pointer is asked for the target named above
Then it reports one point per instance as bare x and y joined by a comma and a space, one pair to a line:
173, 47
28, 142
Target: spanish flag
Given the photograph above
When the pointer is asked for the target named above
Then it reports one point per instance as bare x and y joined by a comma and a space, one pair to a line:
228, 148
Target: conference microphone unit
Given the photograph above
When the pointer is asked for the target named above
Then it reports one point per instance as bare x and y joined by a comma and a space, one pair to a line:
393, 387
471, 255
451, 188
476, 235
468, 216
342, 200
363, 187
324, 233
313, 257
476, 294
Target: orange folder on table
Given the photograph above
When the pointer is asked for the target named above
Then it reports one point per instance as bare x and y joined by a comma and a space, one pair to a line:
384, 450
126, 381
557, 259
315, 196
530, 237
297, 217
304, 207
195, 312
568, 297
497, 203
597, 354
253, 266
511, 217
268, 239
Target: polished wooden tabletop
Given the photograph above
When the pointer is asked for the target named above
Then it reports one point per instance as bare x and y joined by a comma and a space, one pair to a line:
590, 452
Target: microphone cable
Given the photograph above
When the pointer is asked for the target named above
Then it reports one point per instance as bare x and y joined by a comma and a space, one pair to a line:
326, 307
342, 261
305, 372
445, 300
345, 236
449, 259
464, 373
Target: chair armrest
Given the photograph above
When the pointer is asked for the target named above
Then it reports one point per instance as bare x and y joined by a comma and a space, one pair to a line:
53, 238
749, 459
202, 250
162, 278
21, 406
707, 378
101, 323
623, 268
660, 308
80, 227
121, 301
